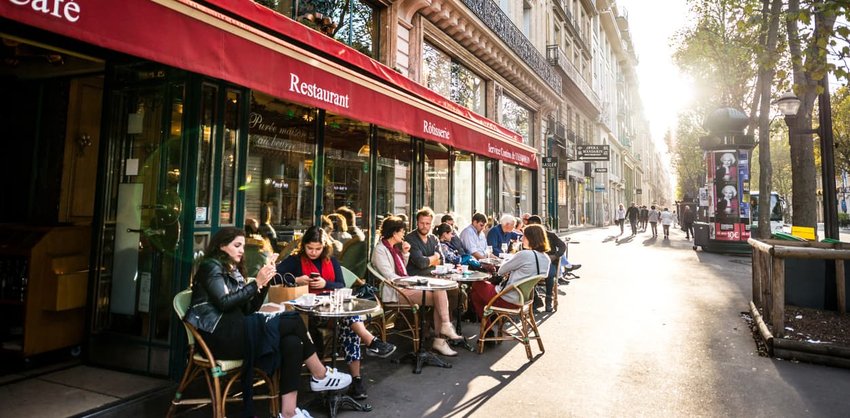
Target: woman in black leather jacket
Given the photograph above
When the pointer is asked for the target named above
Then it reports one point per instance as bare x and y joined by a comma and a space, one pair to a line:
221, 302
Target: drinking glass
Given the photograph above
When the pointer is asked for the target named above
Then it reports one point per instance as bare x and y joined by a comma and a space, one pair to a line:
504, 247
489, 251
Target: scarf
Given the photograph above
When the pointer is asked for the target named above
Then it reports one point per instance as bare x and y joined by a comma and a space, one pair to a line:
327, 273
397, 259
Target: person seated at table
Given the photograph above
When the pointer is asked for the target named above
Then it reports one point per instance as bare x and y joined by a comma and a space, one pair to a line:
524, 264
451, 250
557, 248
314, 256
472, 237
450, 220
503, 234
424, 248
340, 228
390, 257
328, 226
223, 301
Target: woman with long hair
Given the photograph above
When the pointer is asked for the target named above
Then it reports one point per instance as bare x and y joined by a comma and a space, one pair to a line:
390, 259
223, 304
314, 265
529, 262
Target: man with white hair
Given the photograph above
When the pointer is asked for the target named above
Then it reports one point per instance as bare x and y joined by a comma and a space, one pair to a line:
503, 234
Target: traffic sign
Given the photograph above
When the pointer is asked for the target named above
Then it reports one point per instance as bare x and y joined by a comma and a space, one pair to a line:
592, 152
600, 170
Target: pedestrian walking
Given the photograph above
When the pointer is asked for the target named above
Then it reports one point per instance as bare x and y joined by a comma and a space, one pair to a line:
644, 217
688, 222
620, 217
666, 221
653, 220
633, 214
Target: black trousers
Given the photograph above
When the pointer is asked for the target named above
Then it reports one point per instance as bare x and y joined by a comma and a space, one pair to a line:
227, 343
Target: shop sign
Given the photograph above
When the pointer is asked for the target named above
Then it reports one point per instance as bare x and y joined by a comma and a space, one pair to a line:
66, 10
600, 170
550, 162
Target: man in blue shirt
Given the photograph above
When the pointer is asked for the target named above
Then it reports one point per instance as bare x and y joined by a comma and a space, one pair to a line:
503, 234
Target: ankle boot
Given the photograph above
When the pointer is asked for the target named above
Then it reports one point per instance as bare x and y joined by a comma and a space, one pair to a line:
448, 330
442, 347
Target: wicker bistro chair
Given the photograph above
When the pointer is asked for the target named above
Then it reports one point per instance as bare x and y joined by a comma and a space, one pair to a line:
400, 317
220, 375
521, 318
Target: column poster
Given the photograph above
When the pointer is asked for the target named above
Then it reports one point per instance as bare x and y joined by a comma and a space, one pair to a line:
727, 186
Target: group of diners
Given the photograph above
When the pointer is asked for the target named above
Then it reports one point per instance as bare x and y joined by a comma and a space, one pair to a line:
225, 304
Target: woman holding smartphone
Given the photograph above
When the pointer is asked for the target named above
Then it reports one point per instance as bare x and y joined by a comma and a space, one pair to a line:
313, 265
223, 302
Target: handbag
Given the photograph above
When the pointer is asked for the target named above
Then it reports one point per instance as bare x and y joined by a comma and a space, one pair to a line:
366, 291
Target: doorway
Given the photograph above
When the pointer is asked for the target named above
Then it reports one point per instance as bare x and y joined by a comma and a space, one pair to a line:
138, 258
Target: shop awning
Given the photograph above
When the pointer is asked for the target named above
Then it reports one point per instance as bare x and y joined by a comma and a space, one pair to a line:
193, 37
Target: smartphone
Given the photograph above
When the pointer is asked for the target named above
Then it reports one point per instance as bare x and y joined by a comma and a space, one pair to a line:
314, 275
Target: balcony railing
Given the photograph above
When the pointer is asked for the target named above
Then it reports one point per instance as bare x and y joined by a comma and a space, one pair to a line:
495, 19
556, 56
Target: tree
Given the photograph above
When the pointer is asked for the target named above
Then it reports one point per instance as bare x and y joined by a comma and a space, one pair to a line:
767, 61
687, 156
841, 127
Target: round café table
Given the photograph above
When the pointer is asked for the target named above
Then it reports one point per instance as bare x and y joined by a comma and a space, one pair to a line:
347, 309
425, 284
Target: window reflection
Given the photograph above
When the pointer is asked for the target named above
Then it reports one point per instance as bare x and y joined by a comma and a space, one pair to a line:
451, 79
346, 166
393, 188
280, 179
516, 118
437, 177
463, 189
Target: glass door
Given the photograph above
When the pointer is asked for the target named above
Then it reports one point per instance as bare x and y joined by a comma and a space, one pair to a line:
142, 214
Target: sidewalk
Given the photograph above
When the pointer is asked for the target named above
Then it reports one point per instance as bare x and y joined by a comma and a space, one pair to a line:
71, 389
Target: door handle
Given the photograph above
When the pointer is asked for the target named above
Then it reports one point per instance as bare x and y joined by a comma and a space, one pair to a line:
138, 231
147, 231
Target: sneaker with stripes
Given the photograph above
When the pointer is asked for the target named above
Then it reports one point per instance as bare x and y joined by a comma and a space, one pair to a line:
334, 380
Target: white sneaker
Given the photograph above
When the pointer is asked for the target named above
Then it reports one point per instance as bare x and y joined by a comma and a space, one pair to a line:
334, 380
301, 413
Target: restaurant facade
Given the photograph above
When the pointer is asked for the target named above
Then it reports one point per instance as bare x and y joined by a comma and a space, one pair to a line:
149, 124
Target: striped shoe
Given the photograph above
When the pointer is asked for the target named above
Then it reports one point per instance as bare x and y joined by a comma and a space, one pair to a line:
334, 380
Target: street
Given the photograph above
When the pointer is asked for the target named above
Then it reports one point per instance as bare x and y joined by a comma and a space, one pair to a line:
651, 328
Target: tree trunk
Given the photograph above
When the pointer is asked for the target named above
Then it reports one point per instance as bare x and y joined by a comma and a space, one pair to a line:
766, 75
803, 174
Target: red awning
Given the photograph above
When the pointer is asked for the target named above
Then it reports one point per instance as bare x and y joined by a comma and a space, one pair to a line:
193, 37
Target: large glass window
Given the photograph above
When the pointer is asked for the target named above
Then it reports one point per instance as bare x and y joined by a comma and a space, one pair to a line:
203, 192
229, 151
346, 166
516, 118
394, 187
451, 79
524, 189
509, 190
464, 193
280, 178
437, 177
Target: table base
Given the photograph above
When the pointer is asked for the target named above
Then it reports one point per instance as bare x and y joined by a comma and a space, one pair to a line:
335, 400
423, 358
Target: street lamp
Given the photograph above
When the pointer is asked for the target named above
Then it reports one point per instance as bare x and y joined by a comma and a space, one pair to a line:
788, 105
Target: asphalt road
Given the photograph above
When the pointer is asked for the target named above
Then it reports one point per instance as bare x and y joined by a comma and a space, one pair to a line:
651, 328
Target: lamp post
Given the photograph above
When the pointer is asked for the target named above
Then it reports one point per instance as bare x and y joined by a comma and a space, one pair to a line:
788, 105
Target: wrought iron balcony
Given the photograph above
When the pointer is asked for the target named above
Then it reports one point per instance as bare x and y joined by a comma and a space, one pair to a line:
497, 21
556, 56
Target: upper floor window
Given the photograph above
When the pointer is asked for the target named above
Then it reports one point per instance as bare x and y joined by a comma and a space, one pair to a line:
451, 79
516, 118
526, 19
353, 22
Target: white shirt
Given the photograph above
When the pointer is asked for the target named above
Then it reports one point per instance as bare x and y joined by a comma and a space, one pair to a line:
666, 218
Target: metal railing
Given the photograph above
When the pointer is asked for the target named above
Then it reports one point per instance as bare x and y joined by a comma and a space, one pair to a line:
556, 56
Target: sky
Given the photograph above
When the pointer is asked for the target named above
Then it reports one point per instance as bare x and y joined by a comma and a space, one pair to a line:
663, 89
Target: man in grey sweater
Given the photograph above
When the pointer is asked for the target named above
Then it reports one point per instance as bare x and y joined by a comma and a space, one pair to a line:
424, 246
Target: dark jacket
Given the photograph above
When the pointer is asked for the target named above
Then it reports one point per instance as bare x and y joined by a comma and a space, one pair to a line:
688, 217
216, 291
557, 247
632, 213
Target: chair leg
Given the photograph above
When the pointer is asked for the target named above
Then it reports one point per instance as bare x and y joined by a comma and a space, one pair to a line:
184, 382
524, 330
533, 324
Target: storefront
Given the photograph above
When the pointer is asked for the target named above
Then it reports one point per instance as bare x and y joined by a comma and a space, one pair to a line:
163, 134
